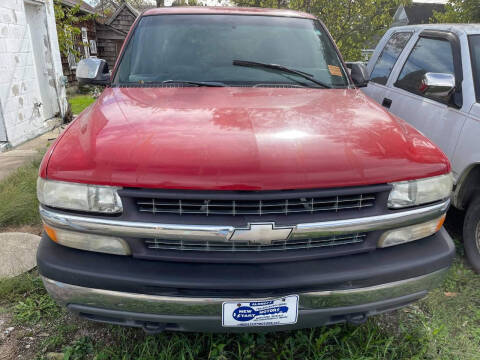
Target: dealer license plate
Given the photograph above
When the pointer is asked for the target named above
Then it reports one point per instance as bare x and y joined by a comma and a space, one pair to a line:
281, 311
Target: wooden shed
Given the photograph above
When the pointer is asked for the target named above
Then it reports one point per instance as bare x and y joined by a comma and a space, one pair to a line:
112, 33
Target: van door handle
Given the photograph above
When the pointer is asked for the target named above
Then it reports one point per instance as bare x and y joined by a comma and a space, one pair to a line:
387, 103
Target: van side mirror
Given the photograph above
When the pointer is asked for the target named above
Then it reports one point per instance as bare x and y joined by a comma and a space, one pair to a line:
438, 85
359, 73
93, 71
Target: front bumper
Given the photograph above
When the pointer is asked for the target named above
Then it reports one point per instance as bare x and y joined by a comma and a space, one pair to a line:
156, 313
159, 295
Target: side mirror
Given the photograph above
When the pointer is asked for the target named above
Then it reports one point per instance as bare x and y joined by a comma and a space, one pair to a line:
359, 74
93, 71
438, 85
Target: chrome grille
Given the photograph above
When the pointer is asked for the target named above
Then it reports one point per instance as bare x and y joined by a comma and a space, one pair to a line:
291, 244
300, 205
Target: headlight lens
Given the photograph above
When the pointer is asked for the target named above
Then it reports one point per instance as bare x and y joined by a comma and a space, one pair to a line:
81, 197
422, 191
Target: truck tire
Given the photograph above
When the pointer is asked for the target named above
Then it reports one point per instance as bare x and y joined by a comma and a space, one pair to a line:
471, 233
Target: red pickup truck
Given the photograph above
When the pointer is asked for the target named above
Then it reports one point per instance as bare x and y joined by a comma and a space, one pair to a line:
232, 177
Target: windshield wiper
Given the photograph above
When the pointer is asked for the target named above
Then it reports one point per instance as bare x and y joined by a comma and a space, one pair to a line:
280, 68
197, 83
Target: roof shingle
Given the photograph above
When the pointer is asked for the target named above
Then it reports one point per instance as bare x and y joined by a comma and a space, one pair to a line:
83, 5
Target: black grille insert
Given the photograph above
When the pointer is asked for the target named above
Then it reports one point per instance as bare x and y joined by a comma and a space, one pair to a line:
291, 244
241, 207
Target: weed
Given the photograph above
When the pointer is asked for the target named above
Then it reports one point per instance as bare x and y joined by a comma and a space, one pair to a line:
79, 350
35, 308
60, 336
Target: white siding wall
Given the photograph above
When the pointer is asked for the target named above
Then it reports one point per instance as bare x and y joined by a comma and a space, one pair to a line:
29, 74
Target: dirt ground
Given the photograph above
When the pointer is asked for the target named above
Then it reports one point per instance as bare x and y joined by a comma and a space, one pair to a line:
31, 229
15, 342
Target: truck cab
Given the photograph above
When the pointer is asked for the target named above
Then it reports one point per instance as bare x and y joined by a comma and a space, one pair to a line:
429, 75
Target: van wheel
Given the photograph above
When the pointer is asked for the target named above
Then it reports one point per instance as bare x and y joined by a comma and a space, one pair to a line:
471, 233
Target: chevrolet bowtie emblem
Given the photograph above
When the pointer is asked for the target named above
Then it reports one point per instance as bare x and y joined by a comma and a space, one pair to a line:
261, 233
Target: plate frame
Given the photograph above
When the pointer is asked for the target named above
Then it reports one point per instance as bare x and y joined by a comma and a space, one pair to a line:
260, 300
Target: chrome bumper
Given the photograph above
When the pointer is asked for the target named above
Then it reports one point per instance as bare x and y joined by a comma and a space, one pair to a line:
66, 294
224, 233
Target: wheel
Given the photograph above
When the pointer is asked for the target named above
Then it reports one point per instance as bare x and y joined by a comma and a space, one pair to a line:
471, 233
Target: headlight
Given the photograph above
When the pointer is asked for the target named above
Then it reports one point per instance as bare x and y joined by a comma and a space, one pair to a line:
422, 191
81, 197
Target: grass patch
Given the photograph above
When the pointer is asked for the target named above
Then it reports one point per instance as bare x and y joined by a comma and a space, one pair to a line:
61, 336
368, 341
18, 197
450, 317
20, 287
80, 102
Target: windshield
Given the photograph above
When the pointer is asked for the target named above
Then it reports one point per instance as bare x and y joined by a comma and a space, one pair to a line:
203, 48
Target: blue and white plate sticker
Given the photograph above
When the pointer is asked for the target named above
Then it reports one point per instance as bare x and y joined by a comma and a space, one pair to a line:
281, 311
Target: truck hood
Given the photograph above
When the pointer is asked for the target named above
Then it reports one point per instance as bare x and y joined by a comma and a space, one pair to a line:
240, 139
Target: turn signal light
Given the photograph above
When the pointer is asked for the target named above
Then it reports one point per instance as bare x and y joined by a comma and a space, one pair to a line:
87, 241
50, 232
411, 233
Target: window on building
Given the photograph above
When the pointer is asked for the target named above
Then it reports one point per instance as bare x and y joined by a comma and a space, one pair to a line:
389, 56
93, 47
72, 61
85, 42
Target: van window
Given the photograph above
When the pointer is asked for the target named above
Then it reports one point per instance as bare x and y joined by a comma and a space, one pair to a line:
387, 59
474, 41
428, 55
